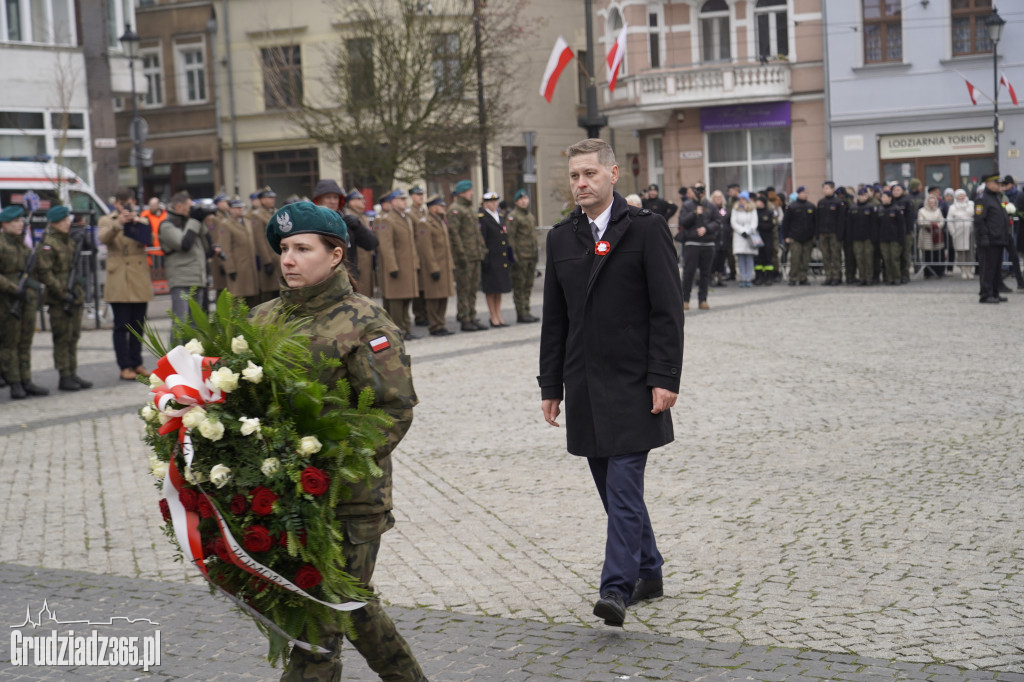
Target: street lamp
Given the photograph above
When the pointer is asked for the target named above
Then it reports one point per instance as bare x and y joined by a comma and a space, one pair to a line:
130, 43
994, 23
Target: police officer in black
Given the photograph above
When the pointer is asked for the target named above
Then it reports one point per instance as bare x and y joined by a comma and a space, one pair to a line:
655, 204
831, 217
992, 232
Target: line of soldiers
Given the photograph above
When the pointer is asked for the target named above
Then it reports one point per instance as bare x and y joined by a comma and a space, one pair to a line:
46, 274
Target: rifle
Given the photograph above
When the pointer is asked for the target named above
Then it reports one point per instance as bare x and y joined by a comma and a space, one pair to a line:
30, 264
69, 298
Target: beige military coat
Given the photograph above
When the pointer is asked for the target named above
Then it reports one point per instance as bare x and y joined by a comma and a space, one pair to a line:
218, 273
397, 251
236, 240
364, 259
435, 256
128, 278
268, 281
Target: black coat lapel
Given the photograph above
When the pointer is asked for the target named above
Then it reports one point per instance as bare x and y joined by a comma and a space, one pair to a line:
617, 226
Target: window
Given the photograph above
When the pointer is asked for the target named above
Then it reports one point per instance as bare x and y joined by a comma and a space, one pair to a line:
282, 76
191, 76
151, 71
615, 26
758, 157
970, 35
360, 69
119, 13
883, 31
447, 65
772, 28
714, 31
655, 162
58, 134
655, 40
48, 22
289, 171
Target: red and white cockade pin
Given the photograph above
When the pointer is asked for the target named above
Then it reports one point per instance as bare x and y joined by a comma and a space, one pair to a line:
380, 343
602, 248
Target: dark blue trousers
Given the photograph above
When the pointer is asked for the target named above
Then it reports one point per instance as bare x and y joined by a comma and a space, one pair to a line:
630, 550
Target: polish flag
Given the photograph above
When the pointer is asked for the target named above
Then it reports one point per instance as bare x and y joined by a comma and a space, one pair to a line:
1009, 88
560, 57
614, 59
972, 91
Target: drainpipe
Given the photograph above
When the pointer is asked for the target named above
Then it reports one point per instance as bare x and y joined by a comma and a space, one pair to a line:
231, 93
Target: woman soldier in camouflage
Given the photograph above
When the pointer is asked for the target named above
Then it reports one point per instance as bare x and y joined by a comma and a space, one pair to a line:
354, 329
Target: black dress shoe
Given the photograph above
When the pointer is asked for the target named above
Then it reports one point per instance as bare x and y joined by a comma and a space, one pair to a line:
420, 322
612, 608
479, 327
32, 389
18, 392
646, 589
409, 336
469, 327
68, 384
1002, 299
525, 319
1003, 289
440, 332
989, 299
82, 383
499, 325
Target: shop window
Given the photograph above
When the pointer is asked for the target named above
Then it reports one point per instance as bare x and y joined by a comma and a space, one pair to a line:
772, 28
753, 158
970, 35
714, 31
883, 31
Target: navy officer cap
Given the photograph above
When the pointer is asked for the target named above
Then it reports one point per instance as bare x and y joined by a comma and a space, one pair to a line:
304, 217
354, 194
801, 188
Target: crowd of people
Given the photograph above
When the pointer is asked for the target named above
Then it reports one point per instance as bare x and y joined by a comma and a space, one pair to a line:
872, 234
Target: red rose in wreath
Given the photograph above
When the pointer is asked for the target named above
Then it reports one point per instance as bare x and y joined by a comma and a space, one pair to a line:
189, 499
165, 509
239, 505
262, 500
314, 481
220, 548
257, 539
307, 577
205, 508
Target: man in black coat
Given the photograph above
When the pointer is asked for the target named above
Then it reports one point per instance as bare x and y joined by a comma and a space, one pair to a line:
612, 346
800, 226
992, 232
655, 204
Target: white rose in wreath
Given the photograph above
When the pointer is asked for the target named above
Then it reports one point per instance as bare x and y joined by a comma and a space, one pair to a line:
270, 466
250, 426
220, 475
193, 417
211, 429
239, 344
252, 373
195, 347
309, 445
224, 380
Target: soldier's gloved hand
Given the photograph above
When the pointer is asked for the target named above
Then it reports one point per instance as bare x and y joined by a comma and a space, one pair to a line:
393, 274
268, 268
436, 276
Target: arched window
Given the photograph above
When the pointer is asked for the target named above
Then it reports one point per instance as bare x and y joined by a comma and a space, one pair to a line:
615, 25
772, 28
714, 31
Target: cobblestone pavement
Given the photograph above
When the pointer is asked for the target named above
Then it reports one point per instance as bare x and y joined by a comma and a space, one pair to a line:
844, 490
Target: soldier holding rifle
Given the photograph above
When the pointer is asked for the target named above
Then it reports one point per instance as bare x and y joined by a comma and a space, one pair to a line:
19, 298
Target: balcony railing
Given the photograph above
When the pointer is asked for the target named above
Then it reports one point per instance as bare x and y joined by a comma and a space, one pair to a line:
672, 88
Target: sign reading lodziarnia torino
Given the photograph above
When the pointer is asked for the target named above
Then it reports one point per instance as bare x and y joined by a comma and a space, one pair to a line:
937, 143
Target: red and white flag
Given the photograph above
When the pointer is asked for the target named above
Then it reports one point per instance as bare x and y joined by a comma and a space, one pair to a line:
614, 59
560, 57
1009, 88
972, 91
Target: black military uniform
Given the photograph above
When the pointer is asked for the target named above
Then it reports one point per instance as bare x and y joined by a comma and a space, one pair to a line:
862, 229
910, 215
800, 225
992, 232
892, 228
831, 218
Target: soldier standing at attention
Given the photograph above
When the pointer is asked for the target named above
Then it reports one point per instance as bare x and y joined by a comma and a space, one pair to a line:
495, 279
436, 267
522, 235
16, 339
128, 289
218, 273
362, 259
467, 252
417, 215
399, 263
269, 262
900, 198
799, 224
992, 232
831, 214
240, 254
863, 227
55, 266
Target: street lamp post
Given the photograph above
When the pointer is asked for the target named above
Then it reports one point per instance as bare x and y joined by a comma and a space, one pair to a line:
130, 43
994, 23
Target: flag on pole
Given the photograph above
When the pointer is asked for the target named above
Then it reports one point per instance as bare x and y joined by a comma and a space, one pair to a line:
1009, 88
614, 59
972, 91
561, 55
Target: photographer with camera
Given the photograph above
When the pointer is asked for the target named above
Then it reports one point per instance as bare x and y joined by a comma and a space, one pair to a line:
700, 228
187, 246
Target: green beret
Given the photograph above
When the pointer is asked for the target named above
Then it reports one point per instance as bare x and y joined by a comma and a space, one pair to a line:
462, 186
521, 193
57, 214
10, 214
304, 217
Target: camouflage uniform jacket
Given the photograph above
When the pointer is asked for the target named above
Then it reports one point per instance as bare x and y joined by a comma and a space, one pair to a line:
54, 267
343, 324
464, 233
13, 257
522, 233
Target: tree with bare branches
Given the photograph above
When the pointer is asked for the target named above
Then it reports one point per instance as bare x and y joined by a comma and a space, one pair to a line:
399, 91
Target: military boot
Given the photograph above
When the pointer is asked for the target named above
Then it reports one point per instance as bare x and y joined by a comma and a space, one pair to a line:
68, 383
82, 383
18, 392
32, 389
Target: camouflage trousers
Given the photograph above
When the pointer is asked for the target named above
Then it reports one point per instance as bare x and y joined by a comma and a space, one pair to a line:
905, 255
523, 274
849, 261
832, 255
16, 342
467, 283
865, 252
891, 260
67, 329
799, 257
385, 651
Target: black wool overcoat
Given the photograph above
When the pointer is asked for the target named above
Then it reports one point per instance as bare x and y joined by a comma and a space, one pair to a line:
612, 330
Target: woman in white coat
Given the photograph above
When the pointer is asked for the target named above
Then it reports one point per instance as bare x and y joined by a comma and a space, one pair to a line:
744, 224
960, 222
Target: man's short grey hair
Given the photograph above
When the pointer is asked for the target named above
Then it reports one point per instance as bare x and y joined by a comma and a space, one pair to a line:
593, 145
179, 199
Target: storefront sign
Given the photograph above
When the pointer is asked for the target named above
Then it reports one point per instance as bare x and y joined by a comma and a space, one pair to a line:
938, 143
742, 116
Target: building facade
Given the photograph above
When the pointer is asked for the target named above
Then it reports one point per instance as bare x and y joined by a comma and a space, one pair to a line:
900, 107
724, 91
